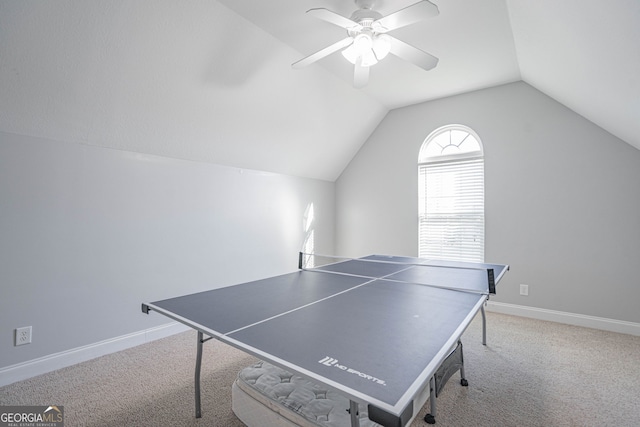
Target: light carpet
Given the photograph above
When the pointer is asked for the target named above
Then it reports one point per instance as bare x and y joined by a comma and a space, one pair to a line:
531, 373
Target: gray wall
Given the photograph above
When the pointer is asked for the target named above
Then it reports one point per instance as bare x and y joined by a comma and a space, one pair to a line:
562, 198
88, 234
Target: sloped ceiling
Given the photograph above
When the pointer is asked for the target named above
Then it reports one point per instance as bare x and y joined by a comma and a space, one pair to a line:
190, 80
585, 55
211, 80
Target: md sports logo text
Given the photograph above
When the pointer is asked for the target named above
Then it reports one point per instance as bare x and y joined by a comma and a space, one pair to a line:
330, 361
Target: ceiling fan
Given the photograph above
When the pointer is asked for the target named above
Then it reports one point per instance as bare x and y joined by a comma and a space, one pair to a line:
368, 42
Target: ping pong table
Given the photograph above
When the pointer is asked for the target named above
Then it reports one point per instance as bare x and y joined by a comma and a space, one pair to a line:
377, 329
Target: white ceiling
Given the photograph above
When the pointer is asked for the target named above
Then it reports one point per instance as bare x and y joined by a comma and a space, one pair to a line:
211, 81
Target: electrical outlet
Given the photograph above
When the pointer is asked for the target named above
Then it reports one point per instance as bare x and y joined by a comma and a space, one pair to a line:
23, 335
524, 290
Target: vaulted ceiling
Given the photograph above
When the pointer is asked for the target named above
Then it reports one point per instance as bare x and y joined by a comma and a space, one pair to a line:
212, 81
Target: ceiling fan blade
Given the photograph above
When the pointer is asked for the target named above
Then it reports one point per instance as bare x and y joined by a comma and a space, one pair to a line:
334, 18
322, 53
360, 75
412, 54
409, 15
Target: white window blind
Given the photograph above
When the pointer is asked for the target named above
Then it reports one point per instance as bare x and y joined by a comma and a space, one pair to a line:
452, 210
451, 199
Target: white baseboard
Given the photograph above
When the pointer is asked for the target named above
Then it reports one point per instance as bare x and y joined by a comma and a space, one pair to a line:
601, 323
42, 365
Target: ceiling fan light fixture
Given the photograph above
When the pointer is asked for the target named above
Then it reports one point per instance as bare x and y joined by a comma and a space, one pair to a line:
368, 58
371, 48
381, 46
363, 41
362, 47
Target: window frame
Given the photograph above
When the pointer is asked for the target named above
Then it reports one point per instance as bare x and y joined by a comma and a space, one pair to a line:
449, 159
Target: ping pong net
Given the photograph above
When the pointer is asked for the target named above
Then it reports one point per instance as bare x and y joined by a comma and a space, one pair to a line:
460, 276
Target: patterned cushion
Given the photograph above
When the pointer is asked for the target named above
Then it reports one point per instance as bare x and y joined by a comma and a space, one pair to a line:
297, 399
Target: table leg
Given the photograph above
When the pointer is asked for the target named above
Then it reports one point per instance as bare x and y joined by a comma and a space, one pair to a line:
463, 378
353, 410
484, 326
197, 375
430, 418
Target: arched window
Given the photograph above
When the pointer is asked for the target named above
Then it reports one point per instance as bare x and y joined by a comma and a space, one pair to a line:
451, 195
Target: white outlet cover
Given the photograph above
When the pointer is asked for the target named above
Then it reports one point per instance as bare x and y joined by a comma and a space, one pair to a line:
23, 335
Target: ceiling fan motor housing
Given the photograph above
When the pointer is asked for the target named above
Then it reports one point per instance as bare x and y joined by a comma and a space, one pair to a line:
365, 17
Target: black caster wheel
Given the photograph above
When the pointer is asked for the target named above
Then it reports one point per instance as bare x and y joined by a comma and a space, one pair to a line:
430, 419
464, 382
